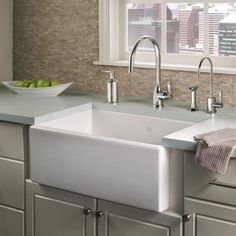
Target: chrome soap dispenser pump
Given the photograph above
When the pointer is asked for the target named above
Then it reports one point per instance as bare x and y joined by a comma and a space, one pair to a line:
112, 88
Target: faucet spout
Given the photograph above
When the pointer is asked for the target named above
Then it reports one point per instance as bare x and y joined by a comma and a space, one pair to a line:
158, 95
157, 51
211, 71
212, 104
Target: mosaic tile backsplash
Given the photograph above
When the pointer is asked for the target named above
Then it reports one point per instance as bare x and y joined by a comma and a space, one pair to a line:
58, 39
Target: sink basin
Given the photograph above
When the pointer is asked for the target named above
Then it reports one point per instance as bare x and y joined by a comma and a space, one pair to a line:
107, 155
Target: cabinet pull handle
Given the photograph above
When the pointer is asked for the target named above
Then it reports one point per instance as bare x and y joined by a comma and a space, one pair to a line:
87, 211
186, 217
222, 184
98, 214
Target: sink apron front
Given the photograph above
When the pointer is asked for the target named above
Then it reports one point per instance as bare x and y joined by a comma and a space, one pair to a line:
132, 173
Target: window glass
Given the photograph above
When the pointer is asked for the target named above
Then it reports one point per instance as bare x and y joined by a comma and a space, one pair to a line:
185, 28
222, 29
144, 19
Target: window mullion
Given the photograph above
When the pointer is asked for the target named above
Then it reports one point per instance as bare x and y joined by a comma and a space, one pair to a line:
164, 28
104, 46
206, 28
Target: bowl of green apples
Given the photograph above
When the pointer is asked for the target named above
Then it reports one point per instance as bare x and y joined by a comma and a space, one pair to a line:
37, 88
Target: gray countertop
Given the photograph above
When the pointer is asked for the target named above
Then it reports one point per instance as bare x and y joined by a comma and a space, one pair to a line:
30, 110
183, 139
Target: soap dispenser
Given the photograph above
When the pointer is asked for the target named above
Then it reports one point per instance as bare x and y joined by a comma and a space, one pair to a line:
112, 88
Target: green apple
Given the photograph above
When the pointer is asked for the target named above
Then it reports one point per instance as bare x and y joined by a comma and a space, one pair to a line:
20, 83
55, 83
33, 84
26, 83
43, 83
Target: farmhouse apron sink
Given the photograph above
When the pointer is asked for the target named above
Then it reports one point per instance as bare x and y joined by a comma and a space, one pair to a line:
107, 155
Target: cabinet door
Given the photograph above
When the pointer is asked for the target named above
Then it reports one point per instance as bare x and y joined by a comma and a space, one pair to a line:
203, 184
11, 221
120, 220
52, 212
12, 183
209, 219
13, 140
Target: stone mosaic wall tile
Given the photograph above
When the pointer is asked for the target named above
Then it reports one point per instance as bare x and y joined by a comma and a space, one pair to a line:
59, 39
234, 93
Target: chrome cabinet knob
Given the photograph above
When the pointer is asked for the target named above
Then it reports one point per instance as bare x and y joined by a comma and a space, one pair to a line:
87, 211
98, 214
187, 217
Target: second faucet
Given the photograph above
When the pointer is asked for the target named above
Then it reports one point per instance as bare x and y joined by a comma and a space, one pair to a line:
211, 101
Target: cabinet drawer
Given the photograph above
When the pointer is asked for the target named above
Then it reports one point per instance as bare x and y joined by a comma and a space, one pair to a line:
202, 184
12, 183
12, 140
11, 222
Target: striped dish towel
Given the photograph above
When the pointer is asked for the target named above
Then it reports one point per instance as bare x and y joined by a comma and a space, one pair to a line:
214, 149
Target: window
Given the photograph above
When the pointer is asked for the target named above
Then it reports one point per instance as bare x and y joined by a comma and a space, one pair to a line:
222, 29
185, 30
144, 19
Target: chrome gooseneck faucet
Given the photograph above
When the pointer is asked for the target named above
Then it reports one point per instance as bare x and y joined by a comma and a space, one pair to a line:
211, 101
158, 94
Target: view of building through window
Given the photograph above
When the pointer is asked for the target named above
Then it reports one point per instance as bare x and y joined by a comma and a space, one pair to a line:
187, 28
222, 29
185, 31
144, 19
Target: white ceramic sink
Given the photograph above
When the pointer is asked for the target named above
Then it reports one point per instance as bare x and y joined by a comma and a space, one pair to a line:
108, 155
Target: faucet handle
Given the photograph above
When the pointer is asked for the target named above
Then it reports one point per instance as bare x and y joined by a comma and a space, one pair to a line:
111, 72
219, 104
163, 93
169, 88
193, 87
221, 96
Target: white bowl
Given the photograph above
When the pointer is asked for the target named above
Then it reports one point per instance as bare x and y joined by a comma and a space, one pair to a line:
52, 91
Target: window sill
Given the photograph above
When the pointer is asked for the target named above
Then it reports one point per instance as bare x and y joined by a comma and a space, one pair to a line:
177, 67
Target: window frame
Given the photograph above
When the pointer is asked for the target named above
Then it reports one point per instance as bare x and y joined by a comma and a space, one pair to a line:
110, 42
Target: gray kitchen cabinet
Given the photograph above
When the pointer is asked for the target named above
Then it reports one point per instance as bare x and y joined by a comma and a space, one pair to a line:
13, 141
203, 184
52, 212
120, 220
11, 221
13, 160
210, 199
12, 178
209, 219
